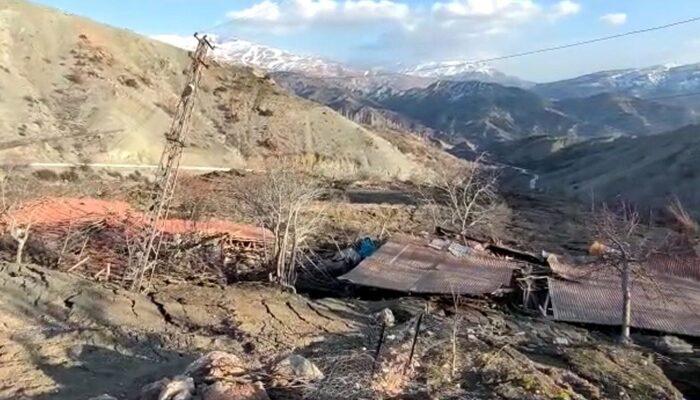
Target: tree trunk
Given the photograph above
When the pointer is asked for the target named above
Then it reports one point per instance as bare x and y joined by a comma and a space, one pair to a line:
626, 302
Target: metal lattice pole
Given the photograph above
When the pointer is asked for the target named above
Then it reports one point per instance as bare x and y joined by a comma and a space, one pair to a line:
168, 167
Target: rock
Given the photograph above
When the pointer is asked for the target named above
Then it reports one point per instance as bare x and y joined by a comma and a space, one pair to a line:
386, 317
103, 397
234, 391
153, 390
561, 341
297, 368
215, 366
673, 345
179, 388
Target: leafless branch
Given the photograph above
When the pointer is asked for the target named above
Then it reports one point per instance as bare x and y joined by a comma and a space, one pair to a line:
281, 200
462, 197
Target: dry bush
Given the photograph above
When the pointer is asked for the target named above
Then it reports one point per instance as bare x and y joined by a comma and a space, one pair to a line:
462, 197
280, 200
685, 223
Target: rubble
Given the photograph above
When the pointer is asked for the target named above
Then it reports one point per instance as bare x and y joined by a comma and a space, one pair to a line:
416, 266
216, 366
100, 238
215, 376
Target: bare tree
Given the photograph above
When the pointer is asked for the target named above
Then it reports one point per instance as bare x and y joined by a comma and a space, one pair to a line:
622, 249
462, 197
18, 230
281, 200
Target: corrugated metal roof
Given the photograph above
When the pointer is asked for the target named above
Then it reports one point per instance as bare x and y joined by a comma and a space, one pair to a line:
412, 266
667, 301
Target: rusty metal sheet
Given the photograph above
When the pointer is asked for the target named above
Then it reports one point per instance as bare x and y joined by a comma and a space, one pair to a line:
667, 302
412, 266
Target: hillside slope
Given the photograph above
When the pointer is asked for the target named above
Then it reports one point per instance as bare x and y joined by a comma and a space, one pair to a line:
668, 83
647, 170
619, 115
480, 112
66, 76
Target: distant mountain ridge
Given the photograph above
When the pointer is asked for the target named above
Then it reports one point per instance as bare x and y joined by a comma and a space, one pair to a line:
461, 71
656, 81
269, 59
476, 103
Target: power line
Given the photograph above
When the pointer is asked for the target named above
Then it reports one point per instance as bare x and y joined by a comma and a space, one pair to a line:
516, 55
582, 42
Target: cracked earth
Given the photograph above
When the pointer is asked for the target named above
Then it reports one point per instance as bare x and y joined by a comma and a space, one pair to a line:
65, 338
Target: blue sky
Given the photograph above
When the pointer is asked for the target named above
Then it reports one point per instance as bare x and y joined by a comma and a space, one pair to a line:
394, 33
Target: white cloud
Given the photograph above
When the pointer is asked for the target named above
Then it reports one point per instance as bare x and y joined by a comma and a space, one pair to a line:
564, 8
614, 19
376, 9
187, 42
266, 11
298, 13
391, 30
485, 9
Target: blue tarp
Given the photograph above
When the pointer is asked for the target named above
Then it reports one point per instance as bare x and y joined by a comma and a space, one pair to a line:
366, 248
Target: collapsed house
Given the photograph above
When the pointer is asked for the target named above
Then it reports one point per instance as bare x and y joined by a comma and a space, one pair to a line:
665, 299
438, 267
102, 238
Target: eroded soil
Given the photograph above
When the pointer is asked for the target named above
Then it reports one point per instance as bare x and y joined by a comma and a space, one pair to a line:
62, 337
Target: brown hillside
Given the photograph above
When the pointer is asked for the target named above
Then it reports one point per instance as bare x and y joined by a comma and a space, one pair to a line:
66, 76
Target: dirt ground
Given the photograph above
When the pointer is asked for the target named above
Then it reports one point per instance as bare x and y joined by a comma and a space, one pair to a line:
63, 337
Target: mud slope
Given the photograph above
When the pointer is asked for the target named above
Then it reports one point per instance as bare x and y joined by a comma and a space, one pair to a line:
62, 75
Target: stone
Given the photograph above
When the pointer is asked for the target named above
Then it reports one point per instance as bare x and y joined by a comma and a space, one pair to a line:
103, 397
386, 317
561, 341
297, 368
215, 366
234, 391
179, 388
153, 390
673, 345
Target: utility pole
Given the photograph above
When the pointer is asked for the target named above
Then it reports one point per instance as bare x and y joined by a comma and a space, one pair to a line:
167, 172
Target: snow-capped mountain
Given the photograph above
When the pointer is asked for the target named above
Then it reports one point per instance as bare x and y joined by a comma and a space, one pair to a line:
242, 52
660, 80
461, 71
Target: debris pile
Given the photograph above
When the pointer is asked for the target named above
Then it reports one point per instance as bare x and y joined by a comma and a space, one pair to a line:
666, 299
436, 267
215, 376
101, 239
